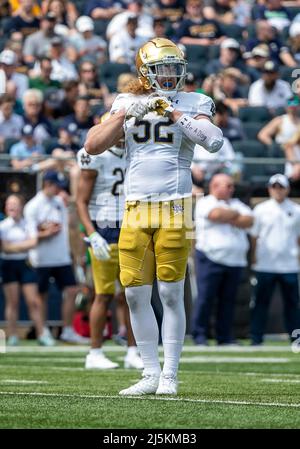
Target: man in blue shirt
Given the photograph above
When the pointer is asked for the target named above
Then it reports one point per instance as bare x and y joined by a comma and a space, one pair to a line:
24, 152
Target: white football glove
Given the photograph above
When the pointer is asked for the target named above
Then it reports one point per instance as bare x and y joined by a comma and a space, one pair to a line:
100, 247
137, 110
160, 105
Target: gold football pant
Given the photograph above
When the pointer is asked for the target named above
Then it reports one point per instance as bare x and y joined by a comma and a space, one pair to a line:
154, 241
106, 272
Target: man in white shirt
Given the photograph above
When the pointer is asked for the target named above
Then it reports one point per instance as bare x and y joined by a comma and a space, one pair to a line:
206, 164
51, 257
124, 45
8, 64
276, 239
269, 90
221, 249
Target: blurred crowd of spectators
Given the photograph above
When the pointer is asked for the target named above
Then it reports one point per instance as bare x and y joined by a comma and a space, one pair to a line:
63, 62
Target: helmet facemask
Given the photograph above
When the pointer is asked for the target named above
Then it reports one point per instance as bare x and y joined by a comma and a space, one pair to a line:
166, 77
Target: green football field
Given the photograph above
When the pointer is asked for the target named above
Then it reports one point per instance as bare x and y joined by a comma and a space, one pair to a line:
240, 387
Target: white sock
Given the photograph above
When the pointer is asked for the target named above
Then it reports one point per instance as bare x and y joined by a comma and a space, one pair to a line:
173, 325
96, 351
144, 326
132, 350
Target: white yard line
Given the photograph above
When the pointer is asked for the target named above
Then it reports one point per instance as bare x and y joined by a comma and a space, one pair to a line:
224, 359
22, 381
112, 348
168, 399
279, 381
184, 359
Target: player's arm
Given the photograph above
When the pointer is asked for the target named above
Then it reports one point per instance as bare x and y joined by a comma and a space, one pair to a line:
106, 134
86, 185
198, 129
100, 247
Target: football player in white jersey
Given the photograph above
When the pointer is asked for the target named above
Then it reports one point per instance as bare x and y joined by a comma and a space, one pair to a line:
100, 203
161, 125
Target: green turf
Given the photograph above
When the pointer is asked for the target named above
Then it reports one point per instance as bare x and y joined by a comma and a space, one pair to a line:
214, 391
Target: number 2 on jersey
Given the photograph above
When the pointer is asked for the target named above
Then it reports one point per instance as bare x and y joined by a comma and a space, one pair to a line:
116, 190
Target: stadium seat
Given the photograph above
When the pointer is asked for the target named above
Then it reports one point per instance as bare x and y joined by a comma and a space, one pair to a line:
256, 173
80, 6
275, 151
195, 53
49, 144
254, 114
198, 68
252, 129
250, 148
3, 40
109, 72
285, 73
214, 51
251, 30
232, 30
8, 143
100, 27
293, 10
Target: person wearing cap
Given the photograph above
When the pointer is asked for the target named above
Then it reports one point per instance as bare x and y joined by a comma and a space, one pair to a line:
82, 119
124, 45
229, 57
145, 21
222, 223
86, 43
62, 68
256, 59
18, 236
51, 257
270, 91
8, 66
265, 34
283, 127
37, 44
275, 239
196, 29
294, 41
23, 153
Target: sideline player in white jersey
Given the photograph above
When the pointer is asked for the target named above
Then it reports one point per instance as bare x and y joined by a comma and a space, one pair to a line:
161, 125
100, 203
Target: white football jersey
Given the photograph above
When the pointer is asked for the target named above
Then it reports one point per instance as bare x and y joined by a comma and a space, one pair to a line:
107, 200
158, 153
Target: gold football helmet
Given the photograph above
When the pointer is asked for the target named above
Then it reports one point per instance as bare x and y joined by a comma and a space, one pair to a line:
161, 66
